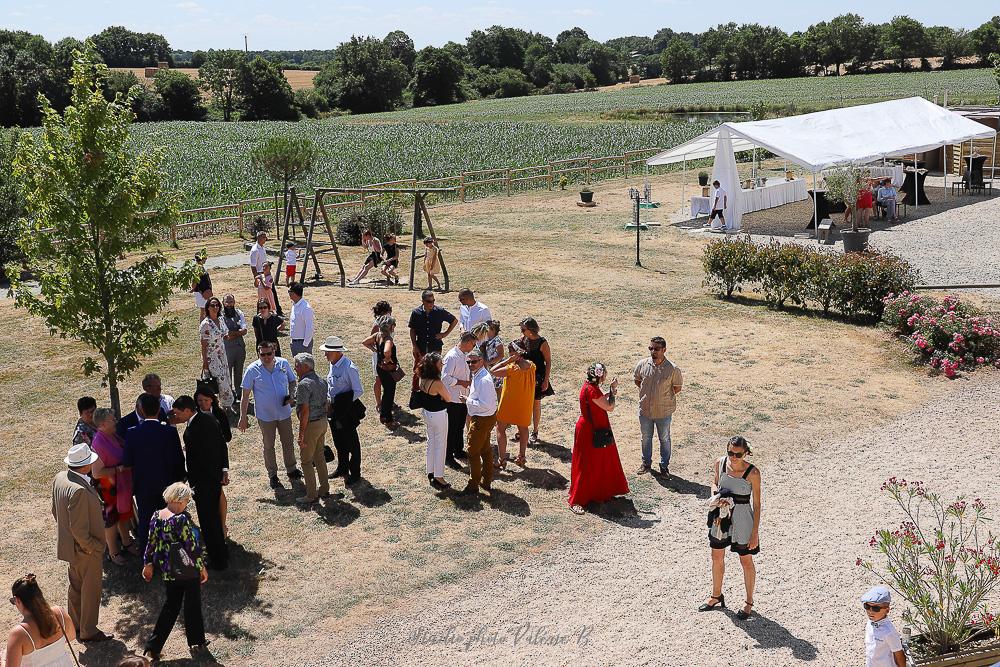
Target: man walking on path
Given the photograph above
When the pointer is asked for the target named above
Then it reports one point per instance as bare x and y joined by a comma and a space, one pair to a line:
258, 258
271, 381
659, 382
76, 507
719, 201
481, 403
303, 321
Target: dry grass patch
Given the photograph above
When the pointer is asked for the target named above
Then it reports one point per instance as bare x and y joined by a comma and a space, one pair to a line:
776, 377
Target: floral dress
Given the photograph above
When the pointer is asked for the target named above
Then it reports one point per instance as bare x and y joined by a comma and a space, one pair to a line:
212, 332
164, 532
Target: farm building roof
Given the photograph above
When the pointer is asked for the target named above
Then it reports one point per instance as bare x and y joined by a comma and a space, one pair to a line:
858, 134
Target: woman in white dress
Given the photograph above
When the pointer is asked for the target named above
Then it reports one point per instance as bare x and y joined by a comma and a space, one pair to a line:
213, 349
37, 641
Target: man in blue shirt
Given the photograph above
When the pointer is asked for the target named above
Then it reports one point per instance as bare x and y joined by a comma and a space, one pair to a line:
886, 196
346, 411
271, 380
153, 451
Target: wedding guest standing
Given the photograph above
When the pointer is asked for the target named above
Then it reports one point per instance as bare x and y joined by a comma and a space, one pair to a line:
213, 350
518, 375
432, 398
202, 287
302, 325
266, 325
236, 347
387, 368
596, 473
538, 352
76, 507
734, 521
344, 391
85, 428
659, 382
883, 646
172, 526
207, 467
456, 376
258, 261
208, 403
151, 385
471, 312
379, 310
42, 638
114, 483
481, 403
311, 396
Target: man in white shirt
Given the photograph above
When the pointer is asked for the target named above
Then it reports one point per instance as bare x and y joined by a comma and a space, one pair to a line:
258, 257
481, 404
455, 375
472, 312
303, 321
719, 201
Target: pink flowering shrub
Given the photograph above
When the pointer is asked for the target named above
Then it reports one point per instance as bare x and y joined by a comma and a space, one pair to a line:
942, 560
949, 335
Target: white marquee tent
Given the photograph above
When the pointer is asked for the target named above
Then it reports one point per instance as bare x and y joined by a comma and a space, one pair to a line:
851, 135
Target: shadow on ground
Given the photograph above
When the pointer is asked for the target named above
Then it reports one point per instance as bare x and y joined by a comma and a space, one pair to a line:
770, 634
623, 512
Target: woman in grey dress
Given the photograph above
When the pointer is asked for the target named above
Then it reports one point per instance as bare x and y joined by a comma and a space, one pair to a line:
734, 521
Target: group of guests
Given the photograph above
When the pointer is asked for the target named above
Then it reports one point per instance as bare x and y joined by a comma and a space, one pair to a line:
125, 493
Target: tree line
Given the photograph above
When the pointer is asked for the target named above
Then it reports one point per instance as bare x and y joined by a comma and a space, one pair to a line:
370, 74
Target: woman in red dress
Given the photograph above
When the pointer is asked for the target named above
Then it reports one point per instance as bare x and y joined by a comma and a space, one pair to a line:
596, 471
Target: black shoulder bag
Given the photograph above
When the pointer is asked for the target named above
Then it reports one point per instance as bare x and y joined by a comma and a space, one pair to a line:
602, 436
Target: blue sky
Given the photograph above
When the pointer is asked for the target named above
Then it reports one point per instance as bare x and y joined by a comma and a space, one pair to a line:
201, 24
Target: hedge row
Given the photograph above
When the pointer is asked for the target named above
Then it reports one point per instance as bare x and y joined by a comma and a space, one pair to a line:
854, 284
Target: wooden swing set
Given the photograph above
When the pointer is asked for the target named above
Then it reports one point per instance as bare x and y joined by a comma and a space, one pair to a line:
296, 223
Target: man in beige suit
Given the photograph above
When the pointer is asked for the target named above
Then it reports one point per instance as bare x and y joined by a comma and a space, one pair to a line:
76, 507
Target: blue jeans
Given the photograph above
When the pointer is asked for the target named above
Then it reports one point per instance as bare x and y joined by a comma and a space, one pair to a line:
663, 433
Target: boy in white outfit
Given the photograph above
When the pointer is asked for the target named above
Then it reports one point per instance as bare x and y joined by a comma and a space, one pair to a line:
883, 647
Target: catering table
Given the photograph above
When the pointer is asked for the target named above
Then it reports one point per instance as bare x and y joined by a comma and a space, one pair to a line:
823, 207
775, 193
894, 172
908, 186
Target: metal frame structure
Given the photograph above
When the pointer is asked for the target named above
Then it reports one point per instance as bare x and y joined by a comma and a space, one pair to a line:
314, 247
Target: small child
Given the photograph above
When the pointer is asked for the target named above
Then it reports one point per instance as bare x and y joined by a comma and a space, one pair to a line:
265, 283
883, 647
291, 260
432, 261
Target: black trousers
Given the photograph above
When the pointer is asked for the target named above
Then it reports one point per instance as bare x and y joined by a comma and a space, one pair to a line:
187, 593
145, 506
456, 429
206, 500
348, 447
388, 396
277, 304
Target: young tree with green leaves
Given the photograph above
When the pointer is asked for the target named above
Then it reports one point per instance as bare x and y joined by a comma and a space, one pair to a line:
220, 77
86, 188
284, 159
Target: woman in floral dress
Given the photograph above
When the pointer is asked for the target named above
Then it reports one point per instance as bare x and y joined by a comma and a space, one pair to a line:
213, 349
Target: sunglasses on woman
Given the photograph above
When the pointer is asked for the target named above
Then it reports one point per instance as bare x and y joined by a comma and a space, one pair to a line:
735, 455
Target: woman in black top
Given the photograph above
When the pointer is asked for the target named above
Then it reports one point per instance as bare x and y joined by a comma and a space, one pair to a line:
433, 398
540, 354
383, 346
266, 325
391, 251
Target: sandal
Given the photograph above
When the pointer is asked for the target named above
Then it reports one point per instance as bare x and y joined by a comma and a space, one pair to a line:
577, 509
743, 614
521, 461
117, 559
720, 601
132, 548
533, 438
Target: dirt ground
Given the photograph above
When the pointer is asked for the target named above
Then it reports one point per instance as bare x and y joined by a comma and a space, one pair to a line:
301, 578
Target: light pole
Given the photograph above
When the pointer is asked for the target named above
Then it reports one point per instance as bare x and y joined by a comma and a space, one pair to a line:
636, 197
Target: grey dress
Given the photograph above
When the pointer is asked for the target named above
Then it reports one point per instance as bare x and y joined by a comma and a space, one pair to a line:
735, 531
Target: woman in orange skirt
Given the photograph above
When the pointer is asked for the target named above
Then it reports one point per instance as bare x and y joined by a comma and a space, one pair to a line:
516, 401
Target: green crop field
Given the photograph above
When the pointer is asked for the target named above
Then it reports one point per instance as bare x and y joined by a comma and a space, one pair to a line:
208, 162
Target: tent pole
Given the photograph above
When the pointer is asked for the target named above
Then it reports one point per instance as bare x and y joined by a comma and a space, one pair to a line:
815, 209
684, 180
916, 183
993, 158
944, 167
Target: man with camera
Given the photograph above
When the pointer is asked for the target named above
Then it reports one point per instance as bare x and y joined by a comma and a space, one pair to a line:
271, 380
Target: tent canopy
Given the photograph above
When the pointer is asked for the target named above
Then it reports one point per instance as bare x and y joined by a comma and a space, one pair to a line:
852, 135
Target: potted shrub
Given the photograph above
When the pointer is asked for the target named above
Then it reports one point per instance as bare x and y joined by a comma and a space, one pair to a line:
702, 178
944, 562
843, 186
586, 194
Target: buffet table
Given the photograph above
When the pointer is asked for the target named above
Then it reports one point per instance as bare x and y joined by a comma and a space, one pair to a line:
895, 172
775, 193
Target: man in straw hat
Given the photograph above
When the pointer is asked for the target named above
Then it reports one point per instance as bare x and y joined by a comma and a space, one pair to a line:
346, 410
76, 507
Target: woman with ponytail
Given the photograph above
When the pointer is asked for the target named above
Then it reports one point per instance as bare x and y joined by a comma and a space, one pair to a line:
42, 638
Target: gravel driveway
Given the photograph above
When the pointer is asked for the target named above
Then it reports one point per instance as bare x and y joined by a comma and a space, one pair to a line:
629, 597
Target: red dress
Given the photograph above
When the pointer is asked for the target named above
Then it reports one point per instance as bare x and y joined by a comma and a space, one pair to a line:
596, 472
865, 198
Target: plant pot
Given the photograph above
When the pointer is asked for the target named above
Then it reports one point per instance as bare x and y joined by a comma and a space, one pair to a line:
703, 180
855, 241
978, 656
586, 197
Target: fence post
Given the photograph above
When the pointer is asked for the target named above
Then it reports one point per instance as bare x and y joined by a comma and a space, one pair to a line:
239, 214
461, 186
589, 166
508, 182
625, 165
549, 176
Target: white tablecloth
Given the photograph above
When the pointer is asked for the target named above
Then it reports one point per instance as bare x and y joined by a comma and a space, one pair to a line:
700, 205
775, 193
894, 172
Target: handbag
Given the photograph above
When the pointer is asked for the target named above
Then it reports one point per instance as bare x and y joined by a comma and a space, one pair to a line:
602, 437
327, 454
398, 374
182, 566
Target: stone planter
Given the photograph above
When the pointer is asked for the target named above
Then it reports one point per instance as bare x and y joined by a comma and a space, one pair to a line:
855, 241
586, 197
980, 656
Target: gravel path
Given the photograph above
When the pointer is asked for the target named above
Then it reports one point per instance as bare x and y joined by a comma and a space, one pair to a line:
629, 596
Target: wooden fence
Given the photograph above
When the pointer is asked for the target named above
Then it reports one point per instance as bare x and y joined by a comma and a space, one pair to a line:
241, 217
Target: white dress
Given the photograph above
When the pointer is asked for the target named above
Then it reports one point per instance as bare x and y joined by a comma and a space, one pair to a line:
218, 365
55, 654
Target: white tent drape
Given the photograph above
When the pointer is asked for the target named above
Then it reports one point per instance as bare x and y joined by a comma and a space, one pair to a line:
725, 172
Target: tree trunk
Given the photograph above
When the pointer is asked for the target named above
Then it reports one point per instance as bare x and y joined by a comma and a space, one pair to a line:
116, 403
